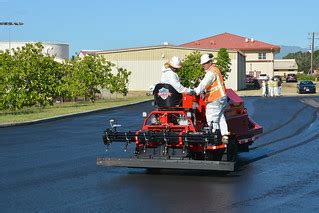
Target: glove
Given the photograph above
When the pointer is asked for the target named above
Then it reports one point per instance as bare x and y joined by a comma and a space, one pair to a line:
191, 92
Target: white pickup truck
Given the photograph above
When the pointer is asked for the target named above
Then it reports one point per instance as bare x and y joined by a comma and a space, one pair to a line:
263, 77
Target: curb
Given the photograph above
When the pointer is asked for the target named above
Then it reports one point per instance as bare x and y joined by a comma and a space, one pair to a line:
43, 120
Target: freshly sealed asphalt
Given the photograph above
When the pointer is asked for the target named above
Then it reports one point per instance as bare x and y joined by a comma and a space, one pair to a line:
51, 167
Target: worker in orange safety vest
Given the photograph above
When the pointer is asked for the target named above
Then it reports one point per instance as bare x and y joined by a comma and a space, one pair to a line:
215, 96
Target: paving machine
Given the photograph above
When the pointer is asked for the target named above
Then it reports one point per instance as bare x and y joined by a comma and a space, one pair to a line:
175, 135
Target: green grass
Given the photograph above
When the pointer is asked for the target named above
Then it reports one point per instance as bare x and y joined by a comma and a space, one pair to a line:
34, 113
301, 76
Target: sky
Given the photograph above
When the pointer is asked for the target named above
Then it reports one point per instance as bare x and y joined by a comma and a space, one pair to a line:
113, 24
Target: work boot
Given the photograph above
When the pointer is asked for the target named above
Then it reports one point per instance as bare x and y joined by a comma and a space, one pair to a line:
225, 139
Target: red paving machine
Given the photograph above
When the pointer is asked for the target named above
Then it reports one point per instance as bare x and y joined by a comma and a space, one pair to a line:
176, 136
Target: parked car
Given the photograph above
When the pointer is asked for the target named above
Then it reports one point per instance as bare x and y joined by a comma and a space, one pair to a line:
250, 79
252, 82
277, 78
263, 77
306, 87
291, 78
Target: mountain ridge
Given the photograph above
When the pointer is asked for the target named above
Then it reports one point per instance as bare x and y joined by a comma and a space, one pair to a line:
285, 50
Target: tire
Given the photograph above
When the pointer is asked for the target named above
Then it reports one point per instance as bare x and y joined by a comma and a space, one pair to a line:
215, 155
232, 150
243, 148
196, 155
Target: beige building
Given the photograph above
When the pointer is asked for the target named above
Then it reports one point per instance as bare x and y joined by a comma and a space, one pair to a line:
146, 63
259, 55
260, 62
283, 67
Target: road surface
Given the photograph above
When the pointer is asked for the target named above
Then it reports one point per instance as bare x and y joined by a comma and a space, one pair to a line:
51, 167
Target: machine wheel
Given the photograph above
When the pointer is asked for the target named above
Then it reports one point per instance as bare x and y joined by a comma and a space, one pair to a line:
196, 155
232, 150
215, 155
243, 148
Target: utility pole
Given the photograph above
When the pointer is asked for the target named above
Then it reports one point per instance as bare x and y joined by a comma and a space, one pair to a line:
312, 47
312, 38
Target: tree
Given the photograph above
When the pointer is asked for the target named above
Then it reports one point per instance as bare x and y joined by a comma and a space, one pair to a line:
119, 81
191, 71
303, 60
89, 75
223, 62
69, 87
31, 78
7, 96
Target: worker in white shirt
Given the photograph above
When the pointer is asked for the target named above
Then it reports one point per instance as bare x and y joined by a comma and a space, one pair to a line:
271, 87
169, 75
276, 93
215, 96
264, 88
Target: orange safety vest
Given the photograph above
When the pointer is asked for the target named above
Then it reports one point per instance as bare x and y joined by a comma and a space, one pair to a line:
216, 89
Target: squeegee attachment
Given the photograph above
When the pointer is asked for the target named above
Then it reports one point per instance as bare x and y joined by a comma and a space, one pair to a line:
166, 164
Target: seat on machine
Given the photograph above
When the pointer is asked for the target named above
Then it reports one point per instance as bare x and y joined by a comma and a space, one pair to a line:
166, 96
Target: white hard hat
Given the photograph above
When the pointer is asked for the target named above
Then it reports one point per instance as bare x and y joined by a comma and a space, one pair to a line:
205, 58
175, 62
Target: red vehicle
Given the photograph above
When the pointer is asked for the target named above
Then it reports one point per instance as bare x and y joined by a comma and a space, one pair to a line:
252, 82
291, 78
250, 79
175, 135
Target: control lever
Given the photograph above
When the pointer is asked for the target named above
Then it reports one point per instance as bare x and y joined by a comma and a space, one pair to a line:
114, 124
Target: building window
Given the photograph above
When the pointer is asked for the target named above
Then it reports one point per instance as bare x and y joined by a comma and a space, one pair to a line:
261, 55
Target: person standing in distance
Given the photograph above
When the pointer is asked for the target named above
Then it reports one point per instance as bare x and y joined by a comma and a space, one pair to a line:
215, 96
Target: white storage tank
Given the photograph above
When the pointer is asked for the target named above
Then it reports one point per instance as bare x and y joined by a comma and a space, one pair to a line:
59, 50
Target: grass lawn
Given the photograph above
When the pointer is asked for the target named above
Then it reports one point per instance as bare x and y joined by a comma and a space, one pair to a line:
57, 109
34, 113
